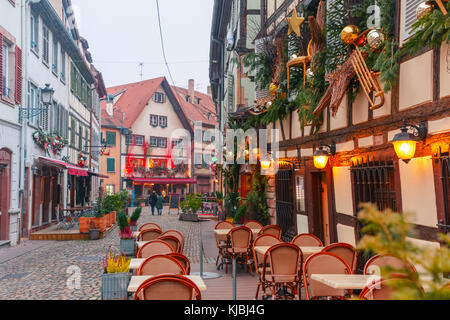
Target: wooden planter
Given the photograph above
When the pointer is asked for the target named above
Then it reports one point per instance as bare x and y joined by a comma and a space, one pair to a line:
115, 285
85, 224
189, 217
113, 217
108, 220
100, 223
128, 246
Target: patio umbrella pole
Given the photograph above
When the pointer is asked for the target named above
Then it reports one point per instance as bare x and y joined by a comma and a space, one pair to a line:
234, 278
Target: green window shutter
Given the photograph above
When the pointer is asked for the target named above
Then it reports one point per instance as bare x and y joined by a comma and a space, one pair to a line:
111, 165
72, 133
110, 138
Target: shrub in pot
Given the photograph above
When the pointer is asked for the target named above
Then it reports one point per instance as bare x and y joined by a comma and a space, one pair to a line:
127, 240
99, 219
116, 276
85, 222
134, 218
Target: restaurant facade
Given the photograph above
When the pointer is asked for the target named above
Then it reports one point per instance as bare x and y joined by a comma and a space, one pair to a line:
353, 130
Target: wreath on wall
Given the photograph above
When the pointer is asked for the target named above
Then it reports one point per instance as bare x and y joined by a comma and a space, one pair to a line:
49, 143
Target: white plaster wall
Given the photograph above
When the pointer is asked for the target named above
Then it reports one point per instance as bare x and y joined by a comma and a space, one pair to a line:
346, 234
340, 119
365, 142
343, 190
360, 108
302, 224
439, 126
296, 130
418, 192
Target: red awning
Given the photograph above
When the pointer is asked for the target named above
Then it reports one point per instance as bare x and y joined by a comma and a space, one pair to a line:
164, 181
73, 170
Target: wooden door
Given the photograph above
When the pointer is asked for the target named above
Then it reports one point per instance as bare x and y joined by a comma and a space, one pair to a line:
316, 212
284, 188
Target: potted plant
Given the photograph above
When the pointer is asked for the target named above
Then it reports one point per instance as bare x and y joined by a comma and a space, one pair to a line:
85, 222
94, 232
99, 216
134, 218
115, 277
127, 240
190, 206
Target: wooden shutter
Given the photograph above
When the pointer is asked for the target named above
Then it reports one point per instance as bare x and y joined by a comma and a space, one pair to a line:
1, 64
230, 92
408, 17
18, 93
110, 164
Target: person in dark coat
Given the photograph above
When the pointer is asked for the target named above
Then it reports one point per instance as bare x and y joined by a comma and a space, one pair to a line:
153, 198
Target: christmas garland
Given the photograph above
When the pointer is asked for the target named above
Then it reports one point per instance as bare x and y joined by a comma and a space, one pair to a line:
48, 142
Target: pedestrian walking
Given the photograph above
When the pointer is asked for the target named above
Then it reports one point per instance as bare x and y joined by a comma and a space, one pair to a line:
159, 204
152, 200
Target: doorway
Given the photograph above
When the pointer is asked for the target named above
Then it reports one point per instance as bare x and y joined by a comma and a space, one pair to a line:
284, 188
320, 224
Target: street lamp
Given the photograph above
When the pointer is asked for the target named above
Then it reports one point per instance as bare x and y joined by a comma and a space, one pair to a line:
405, 143
321, 156
46, 99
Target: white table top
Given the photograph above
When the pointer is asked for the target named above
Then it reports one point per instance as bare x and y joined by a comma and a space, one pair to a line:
305, 250
136, 281
345, 281
135, 263
222, 232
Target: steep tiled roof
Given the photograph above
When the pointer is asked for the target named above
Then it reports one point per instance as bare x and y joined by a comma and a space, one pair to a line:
134, 97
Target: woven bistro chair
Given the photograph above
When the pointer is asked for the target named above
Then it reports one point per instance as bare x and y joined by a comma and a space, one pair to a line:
171, 241
154, 247
346, 251
221, 241
307, 240
271, 229
253, 225
285, 261
148, 234
238, 246
168, 287
258, 258
176, 234
383, 288
374, 265
183, 260
149, 225
323, 263
160, 264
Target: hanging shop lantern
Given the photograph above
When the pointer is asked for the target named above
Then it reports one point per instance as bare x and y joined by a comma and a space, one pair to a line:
405, 142
321, 156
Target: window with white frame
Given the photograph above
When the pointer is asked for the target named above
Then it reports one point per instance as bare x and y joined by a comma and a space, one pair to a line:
153, 141
6, 91
162, 121
45, 45
55, 57
33, 102
139, 140
34, 24
153, 120
109, 189
300, 193
159, 97
162, 142
63, 65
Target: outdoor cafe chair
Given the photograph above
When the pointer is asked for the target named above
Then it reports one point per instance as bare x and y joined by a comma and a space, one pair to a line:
221, 244
171, 241
239, 245
258, 258
307, 240
177, 234
383, 288
148, 234
285, 261
154, 247
323, 263
149, 225
344, 250
160, 264
251, 224
383, 261
271, 229
168, 287
183, 260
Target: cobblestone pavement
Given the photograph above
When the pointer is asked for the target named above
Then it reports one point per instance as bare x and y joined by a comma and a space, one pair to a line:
45, 272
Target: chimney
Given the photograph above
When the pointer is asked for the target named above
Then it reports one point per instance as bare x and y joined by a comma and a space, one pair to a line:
209, 91
191, 90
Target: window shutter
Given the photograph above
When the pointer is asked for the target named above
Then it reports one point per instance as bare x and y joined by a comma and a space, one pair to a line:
18, 94
230, 91
409, 17
1, 63
110, 163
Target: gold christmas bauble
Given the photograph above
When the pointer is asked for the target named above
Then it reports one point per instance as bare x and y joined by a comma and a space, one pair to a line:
375, 39
349, 34
273, 89
424, 9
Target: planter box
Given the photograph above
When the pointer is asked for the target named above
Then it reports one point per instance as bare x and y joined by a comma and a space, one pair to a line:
94, 234
100, 223
108, 220
128, 246
113, 217
85, 224
115, 285
189, 217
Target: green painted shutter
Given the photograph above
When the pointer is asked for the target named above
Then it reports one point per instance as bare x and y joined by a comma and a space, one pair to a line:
111, 165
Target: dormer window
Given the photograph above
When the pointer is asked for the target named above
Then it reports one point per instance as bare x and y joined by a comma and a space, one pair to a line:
159, 97
197, 100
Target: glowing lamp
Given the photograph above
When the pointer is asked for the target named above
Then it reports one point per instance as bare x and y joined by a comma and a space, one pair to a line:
265, 164
405, 142
321, 156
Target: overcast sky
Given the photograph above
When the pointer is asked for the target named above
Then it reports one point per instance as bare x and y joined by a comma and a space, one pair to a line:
121, 34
